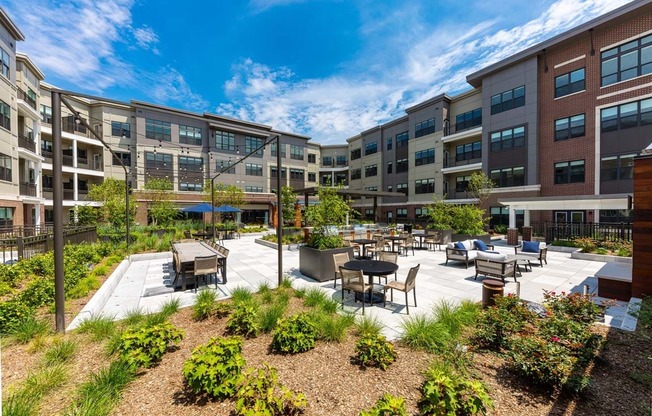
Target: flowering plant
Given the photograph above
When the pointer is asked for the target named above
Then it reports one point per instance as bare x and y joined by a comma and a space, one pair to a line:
574, 305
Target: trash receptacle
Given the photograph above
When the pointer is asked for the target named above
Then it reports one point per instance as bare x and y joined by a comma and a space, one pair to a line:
491, 288
407, 228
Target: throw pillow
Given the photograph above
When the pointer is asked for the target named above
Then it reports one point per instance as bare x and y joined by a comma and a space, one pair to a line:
530, 247
460, 246
491, 256
480, 245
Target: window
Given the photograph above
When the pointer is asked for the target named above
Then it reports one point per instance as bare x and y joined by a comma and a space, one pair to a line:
638, 113
356, 174
253, 169
82, 155
402, 187
283, 154
5, 115
508, 177
371, 188
5, 168
402, 139
424, 186
118, 128
569, 127
508, 139
158, 161
190, 135
312, 177
617, 167
389, 143
627, 61
389, 188
273, 172
356, 154
46, 114
569, 172
401, 213
124, 157
420, 212
424, 157
46, 147
401, 165
424, 128
341, 179
508, 100
468, 151
4, 63
191, 164
256, 144
469, 119
296, 174
500, 216
371, 170
389, 167
6, 217
296, 152
327, 161
224, 166
224, 140
569, 83
370, 148
158, 130
369, 214
253, 189
340, 160
462, 183
312, 158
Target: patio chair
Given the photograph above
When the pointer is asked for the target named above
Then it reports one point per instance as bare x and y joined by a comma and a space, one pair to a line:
407, 244
434, 239
390, 257
380, 246
338, 260
354, 281
356, 247
406, 286
205, 266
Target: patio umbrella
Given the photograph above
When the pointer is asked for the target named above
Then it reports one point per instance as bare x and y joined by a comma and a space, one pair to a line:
227, 208
203, 207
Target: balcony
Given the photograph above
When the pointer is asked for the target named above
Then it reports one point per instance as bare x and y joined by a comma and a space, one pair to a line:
22, 95
459, 127
69, 126
27, 189
26, 142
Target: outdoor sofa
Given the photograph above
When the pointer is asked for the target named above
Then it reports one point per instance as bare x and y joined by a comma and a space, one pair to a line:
466, 250
494, 265
535, 249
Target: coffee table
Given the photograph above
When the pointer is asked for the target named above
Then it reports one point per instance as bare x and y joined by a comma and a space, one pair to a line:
521, 261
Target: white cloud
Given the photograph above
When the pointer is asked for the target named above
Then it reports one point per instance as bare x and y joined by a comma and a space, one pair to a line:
146, 38
168, 85
262, 5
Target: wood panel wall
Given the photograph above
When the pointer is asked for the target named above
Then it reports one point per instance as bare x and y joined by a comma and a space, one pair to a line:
642, 235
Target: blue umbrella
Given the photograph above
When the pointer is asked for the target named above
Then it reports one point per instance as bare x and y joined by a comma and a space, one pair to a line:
227, 208
203, 207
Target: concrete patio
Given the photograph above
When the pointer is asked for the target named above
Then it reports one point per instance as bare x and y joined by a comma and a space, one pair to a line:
144, 281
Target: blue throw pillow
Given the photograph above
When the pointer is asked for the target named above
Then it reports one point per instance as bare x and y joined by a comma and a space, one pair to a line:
530, 247
459, 245
480, 245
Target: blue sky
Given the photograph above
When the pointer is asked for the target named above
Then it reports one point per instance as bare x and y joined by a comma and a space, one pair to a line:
328, 69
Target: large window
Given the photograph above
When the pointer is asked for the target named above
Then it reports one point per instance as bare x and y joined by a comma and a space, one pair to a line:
225, 166
462, 183
506, 177
401, 165
296, 174
4, 63
389, 167
190, 173
256, 143
468, 151
424, 157
158, 161
569, 83
356, 174
402, 187
370, 148
118, 128
273, 172
190, 164
253, 188
312, 177
569, 172
508, 100
158, 130
617, 167
469, 119
389, 143
190, 135
401, 213
356, 154
273, 149
424, 186
327, 161
5, 115
569, 127
627, 61
402, 139
340, 160
624, 116
46, 114
508, 139
253, 169
5, 167
296, 152
371, 188
312, 158
224, 140
6, 217
371, 170
122, 156
424, 128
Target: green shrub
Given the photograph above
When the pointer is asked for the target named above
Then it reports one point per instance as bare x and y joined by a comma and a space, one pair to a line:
374, 351
101, 270
100, 327
270, 315
314, 296
544, 362
286, 283
215, 367
332, 327
498, 323
425, 333
28, 328
146, 346
84, 287
445, 392
170, 307
61, 351
574, 305
204, 305
241, 295
222, 309
387, 405
294, 334
368, 325
10, 274
243, 321
261, 394
39, 292
12, 312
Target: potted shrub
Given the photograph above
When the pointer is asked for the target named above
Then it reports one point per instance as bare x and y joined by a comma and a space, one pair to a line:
316, 256
457, 222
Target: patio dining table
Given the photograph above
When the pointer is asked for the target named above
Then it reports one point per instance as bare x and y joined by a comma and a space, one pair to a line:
394, 239
372, 268
188, 251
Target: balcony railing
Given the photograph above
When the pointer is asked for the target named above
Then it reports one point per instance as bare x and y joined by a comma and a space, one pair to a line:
70, 126
28, 189
22, 95
26, 142
466, 125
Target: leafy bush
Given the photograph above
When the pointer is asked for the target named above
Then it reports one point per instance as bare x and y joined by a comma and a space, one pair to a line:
574, 305
542, 361
374, 351
445, 392
498, 323
270, 315
241, 294
243, 321
204, 305
143, 347
84, 287
325, 242
10, 274
261, 394
39, 292
215, 367
387, 405
12, 312
295, 334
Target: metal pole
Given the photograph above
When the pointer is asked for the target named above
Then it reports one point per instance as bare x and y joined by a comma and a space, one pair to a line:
213, 207
127, 211
279, 211
57, 205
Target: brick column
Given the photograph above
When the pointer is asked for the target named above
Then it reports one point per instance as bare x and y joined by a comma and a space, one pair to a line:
512, 236
527, 234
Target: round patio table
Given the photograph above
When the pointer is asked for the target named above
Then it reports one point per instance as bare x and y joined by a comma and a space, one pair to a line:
394, 239
372, 268
364, 242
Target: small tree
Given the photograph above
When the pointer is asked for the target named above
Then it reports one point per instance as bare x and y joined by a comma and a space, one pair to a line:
224, 194
480, 186
111, 193
86, 215
161, 206
439, 215
331, 210
288, 201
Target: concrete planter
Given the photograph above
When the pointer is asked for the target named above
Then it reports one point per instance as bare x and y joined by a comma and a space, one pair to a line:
486, 238
318, 264
272, 244
445, 234
579, 255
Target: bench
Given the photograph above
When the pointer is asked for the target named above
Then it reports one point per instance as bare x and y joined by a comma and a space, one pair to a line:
534, 249
466, 254
615, 281
494, 265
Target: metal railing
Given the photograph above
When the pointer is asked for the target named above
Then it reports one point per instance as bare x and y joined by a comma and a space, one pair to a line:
27, 189
22, 242
563, 231
22, 95
456, 128
26, 142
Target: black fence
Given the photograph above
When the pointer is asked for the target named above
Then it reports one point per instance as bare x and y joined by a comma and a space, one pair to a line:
24, 242
560, 231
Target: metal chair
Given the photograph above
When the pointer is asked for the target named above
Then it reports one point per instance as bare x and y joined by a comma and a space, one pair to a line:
407, 244
354, 281
390, 257
205, 266
338, 260
406, 286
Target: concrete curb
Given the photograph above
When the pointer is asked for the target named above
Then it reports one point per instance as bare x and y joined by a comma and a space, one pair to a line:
578, 255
